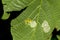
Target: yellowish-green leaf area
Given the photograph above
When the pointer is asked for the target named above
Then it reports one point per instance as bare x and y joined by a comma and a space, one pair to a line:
5, 16
39, 12
31, 23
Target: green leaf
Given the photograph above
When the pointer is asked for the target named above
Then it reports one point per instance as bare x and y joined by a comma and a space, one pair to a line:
37, 13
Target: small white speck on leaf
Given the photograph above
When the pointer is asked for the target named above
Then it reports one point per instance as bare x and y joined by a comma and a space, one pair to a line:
31, 23
45, 26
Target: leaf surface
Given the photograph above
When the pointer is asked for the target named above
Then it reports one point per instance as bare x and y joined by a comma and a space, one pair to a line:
38, 11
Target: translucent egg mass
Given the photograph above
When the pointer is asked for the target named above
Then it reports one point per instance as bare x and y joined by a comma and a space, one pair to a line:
31, 23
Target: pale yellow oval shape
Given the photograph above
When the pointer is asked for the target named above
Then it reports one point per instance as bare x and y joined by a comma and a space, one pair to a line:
45, 26
31, 23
